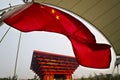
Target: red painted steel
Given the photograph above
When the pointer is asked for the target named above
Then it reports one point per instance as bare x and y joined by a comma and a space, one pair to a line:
47, 65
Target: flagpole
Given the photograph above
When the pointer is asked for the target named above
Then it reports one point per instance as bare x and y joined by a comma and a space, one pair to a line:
17, 55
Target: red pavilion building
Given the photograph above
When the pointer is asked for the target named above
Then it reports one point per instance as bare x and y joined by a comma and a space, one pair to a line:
49, 66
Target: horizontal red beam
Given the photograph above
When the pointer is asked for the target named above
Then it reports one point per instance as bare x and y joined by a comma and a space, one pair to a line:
39, 53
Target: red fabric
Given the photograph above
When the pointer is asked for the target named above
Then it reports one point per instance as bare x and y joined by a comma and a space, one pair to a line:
92, 55
38, 17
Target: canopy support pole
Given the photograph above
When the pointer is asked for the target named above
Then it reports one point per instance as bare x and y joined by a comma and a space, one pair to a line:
4, 35
17, 55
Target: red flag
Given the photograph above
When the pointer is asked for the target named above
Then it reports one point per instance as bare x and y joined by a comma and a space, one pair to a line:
92, 55
38, 17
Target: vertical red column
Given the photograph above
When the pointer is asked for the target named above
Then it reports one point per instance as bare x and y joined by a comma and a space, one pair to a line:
68, 77
46, 77
51, 76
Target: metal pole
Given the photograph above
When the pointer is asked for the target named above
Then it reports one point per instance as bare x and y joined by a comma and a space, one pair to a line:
17, 55
117, 69
5, 34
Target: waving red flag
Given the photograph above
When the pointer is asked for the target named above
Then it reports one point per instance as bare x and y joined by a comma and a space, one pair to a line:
38, 17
